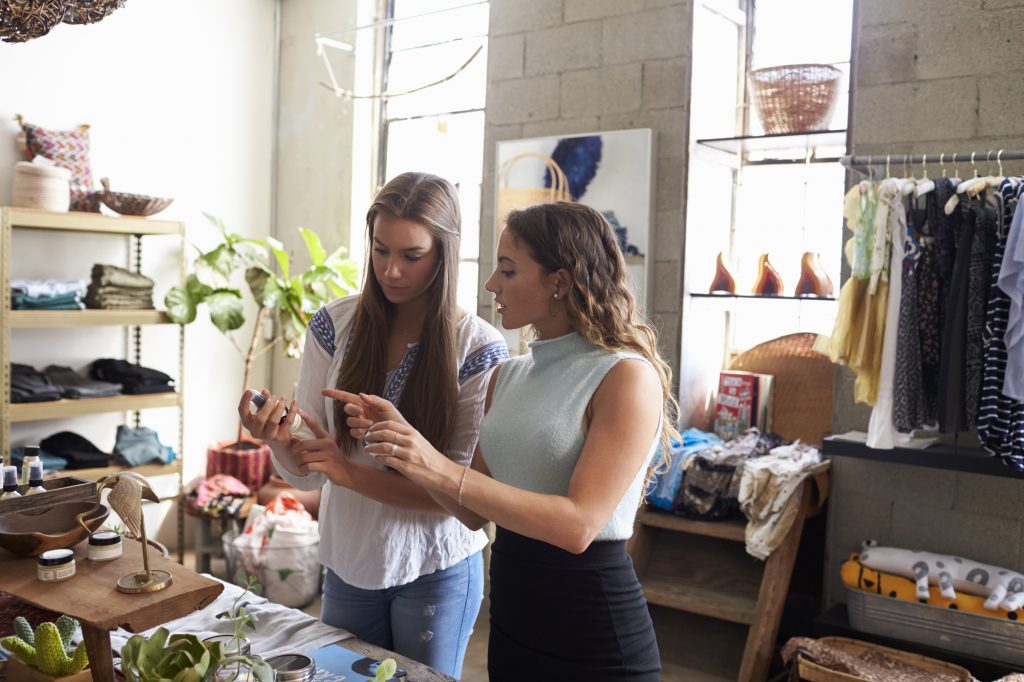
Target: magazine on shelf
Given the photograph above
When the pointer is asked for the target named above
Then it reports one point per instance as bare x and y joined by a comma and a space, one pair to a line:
744, 400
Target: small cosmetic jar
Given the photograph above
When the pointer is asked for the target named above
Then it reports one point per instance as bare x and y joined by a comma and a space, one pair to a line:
56, 565
292, 668
104, 545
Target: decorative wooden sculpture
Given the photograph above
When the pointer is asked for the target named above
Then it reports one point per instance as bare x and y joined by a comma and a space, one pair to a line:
127, 490
723, 283
768, 283
814, 281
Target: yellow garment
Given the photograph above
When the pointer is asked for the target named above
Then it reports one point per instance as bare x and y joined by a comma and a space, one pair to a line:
856, 576
859, 330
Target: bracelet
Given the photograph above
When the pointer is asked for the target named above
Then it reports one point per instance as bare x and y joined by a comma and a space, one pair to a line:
462, 483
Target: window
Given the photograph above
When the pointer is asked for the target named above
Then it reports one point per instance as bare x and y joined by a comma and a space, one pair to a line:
439, 129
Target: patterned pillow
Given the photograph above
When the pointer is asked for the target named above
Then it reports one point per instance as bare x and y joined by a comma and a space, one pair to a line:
70, 149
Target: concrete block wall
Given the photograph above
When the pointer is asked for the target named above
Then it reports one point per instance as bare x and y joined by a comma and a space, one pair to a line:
559, 67
931, 76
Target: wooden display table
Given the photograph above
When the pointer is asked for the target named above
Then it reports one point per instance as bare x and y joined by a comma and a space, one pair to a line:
91, 596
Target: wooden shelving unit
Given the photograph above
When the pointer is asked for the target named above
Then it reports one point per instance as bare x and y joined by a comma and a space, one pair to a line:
728, 603
132, 229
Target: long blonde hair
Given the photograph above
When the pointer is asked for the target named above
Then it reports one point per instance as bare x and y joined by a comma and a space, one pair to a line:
429, 399
600, 306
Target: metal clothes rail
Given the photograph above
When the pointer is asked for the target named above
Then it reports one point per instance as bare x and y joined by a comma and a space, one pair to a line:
863, 161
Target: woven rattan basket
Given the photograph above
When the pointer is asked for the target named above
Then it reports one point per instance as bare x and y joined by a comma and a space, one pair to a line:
812, 672
803, 385
795, 98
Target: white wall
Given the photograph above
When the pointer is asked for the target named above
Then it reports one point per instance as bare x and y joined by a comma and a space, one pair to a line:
180, 99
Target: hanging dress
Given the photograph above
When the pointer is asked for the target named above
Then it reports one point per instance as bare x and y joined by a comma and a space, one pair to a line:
908, 410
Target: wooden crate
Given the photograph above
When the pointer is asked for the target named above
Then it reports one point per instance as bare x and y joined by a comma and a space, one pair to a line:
63, 489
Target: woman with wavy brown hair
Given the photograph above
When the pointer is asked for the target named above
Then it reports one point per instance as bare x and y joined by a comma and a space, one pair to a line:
568, 440
402, 572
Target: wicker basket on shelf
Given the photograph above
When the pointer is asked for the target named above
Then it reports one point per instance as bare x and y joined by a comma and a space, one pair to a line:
795, 98
935, 669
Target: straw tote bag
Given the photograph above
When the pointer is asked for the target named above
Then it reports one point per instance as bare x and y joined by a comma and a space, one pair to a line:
512, 198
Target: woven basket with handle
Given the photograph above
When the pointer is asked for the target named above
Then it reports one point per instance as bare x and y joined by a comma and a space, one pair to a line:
931, 668
795, 98
512, 198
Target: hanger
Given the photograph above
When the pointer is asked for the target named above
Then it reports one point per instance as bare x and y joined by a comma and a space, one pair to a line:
971, 182
956, 171
995, 180
909, 181
926, 183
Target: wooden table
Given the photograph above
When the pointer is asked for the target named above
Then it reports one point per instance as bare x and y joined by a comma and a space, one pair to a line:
92, 597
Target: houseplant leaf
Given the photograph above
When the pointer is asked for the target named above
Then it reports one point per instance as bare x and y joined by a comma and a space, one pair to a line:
317, 254
226, 310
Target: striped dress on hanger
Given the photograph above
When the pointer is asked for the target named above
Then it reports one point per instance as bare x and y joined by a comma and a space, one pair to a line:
1000, 419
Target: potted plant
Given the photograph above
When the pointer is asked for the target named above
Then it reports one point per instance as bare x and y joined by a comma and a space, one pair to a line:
45, 653
287, 298
163, 657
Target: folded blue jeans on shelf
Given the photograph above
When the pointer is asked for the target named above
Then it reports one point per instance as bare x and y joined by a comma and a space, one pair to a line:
140, 445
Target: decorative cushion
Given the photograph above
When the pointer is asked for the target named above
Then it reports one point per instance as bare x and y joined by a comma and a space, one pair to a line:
69, 149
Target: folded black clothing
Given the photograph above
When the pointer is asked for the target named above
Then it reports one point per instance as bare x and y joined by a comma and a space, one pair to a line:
129, 375
146, 389
78, 450
111, 275
76, 386
31, 386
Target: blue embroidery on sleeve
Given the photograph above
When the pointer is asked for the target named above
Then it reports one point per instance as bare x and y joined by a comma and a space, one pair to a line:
482, 359
322, 328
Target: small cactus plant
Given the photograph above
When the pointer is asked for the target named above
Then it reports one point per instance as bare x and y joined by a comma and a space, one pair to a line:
47, 648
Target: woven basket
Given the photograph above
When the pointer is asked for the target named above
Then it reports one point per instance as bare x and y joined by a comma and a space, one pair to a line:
43, 187
795, 98
812, 672
803, 385
131, 204
512, 198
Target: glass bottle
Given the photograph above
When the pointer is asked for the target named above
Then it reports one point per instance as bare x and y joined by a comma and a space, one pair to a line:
35, 478
10, 483
31, 455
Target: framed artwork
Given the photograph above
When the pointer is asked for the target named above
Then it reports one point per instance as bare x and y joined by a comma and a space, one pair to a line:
612, 172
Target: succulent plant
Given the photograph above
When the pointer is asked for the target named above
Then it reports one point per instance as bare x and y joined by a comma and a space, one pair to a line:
163, 657
47, 648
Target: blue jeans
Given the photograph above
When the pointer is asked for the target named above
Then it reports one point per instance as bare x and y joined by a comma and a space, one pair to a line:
428, 620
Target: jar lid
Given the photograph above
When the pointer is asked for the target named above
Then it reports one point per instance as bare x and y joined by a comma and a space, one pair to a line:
104, 537
292, 667
56, 557
30, 168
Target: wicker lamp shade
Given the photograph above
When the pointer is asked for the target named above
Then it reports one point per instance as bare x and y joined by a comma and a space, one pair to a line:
803, 385
795, 98
22, 20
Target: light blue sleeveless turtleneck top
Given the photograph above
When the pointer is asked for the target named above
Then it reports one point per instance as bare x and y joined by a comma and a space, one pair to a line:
532, 435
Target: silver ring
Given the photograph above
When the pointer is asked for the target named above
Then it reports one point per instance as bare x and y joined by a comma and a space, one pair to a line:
394, 447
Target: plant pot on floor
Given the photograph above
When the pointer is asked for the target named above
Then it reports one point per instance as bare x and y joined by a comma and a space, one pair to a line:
19, 671
248, 460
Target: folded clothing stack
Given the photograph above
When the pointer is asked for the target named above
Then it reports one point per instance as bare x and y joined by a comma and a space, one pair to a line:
114, 287
77, 450
30, 386
140, 445
74, 385
47, 294
51, 462
134, 379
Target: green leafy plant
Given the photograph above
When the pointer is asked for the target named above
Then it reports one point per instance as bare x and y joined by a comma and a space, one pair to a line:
236, 614
288, 298
47, 649
163, 657
385, 669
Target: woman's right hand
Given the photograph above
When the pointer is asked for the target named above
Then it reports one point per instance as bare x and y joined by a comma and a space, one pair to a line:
266, 424
363, 411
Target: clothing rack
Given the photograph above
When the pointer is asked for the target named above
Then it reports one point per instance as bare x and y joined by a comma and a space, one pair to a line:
860, 162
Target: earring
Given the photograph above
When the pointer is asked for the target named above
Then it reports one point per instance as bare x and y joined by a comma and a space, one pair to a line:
556, 295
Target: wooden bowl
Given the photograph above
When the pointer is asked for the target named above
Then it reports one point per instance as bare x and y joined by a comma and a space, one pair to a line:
30, 533
125, 203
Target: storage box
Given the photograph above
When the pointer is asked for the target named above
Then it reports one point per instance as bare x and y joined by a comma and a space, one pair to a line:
63, 489
967, 633
813, 672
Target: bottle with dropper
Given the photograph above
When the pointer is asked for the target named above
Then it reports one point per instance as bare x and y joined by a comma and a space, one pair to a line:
10, 483
35, 478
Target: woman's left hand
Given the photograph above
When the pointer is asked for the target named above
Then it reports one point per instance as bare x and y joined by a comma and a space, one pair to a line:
401, 447
321, 454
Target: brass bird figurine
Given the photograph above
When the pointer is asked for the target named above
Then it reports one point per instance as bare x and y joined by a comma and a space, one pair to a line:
127, 490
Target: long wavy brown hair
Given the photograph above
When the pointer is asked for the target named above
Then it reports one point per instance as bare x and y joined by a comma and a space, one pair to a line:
431, 389
600, 306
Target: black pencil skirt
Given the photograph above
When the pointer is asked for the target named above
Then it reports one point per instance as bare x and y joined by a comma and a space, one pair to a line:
557, 615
